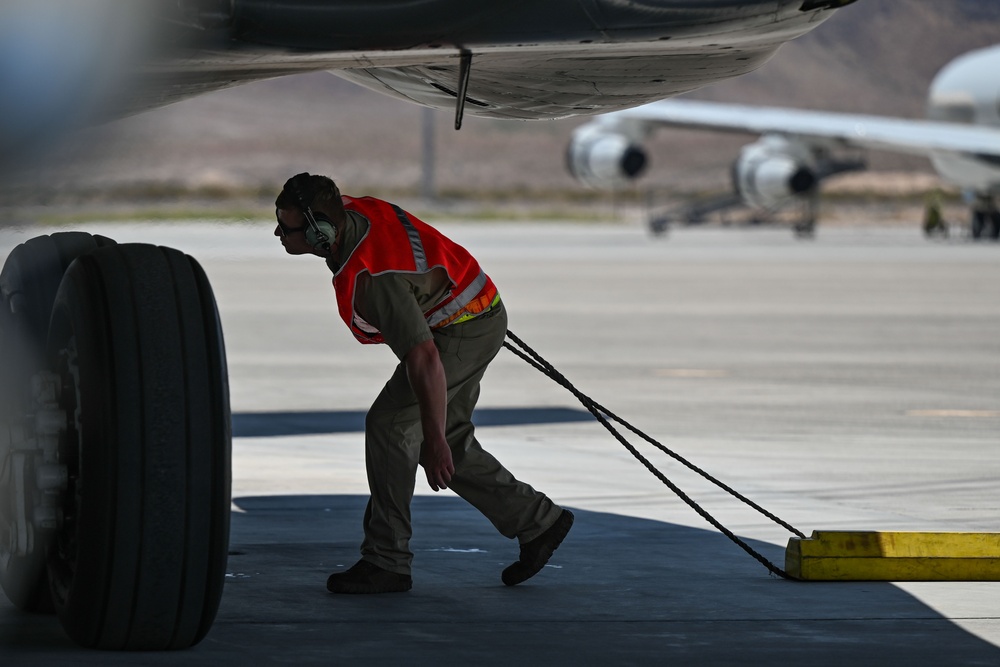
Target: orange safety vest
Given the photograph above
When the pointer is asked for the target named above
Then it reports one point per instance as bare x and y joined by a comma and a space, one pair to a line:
396, 241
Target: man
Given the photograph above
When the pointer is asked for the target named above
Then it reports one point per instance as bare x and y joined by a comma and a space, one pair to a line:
401, 282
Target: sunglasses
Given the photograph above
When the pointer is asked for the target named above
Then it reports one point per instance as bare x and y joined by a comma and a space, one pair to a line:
285, 229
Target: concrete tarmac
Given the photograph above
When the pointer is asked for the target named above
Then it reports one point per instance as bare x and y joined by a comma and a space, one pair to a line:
849, 383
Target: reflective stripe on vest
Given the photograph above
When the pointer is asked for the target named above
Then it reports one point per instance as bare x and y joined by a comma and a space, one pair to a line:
459, 303
419, 256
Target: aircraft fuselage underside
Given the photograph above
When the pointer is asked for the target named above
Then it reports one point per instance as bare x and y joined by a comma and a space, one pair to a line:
531, 60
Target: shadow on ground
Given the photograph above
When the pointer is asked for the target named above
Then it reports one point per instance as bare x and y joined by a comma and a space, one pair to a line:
621, 590
272, 424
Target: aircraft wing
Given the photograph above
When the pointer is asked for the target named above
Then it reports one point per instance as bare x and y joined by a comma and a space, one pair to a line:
918, 137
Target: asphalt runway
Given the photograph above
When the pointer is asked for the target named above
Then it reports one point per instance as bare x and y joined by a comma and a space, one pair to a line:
847, 383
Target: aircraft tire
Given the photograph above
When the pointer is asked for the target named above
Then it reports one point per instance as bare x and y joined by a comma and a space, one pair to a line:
140, 561
804, 230
994, 232
978, 224
28, 284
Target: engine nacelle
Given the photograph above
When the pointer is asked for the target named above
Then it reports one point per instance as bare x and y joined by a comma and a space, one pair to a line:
602, 158
772, 170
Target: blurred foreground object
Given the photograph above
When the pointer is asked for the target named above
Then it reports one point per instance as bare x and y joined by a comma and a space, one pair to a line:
62, 64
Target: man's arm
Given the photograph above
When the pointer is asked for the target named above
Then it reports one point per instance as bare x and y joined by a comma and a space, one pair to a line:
388, 302
426, 375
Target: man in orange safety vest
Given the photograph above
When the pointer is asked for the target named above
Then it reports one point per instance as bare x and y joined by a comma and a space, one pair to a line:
400, 282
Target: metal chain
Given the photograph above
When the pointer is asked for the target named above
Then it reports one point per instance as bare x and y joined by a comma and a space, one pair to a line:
602, 415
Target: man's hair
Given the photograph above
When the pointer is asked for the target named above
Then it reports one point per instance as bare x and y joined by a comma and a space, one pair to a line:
316, 192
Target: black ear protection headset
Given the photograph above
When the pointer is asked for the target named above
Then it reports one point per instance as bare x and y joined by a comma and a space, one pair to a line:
320, 232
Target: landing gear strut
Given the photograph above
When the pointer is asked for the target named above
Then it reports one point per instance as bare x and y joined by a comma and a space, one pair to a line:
805, 227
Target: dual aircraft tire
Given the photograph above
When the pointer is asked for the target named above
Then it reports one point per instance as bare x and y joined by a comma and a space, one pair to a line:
138, 561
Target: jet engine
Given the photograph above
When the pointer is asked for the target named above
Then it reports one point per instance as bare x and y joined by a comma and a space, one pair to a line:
772, 170
602, 158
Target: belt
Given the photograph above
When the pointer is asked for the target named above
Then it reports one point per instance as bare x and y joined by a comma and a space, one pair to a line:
472, 316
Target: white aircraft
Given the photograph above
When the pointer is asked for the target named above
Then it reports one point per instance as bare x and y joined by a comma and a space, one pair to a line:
797, 149
115, 424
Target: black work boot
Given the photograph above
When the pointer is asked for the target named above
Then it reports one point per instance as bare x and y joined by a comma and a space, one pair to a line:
536, 553
365, 577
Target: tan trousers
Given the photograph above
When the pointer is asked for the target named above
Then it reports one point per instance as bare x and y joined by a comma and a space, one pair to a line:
392, 451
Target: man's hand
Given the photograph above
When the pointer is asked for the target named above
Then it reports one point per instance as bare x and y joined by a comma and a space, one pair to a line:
426, 374
437, 463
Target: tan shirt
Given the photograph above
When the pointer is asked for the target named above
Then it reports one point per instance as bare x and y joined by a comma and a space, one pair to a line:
394, 303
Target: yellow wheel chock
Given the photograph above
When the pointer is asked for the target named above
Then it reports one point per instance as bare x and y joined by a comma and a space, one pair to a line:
830, 555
